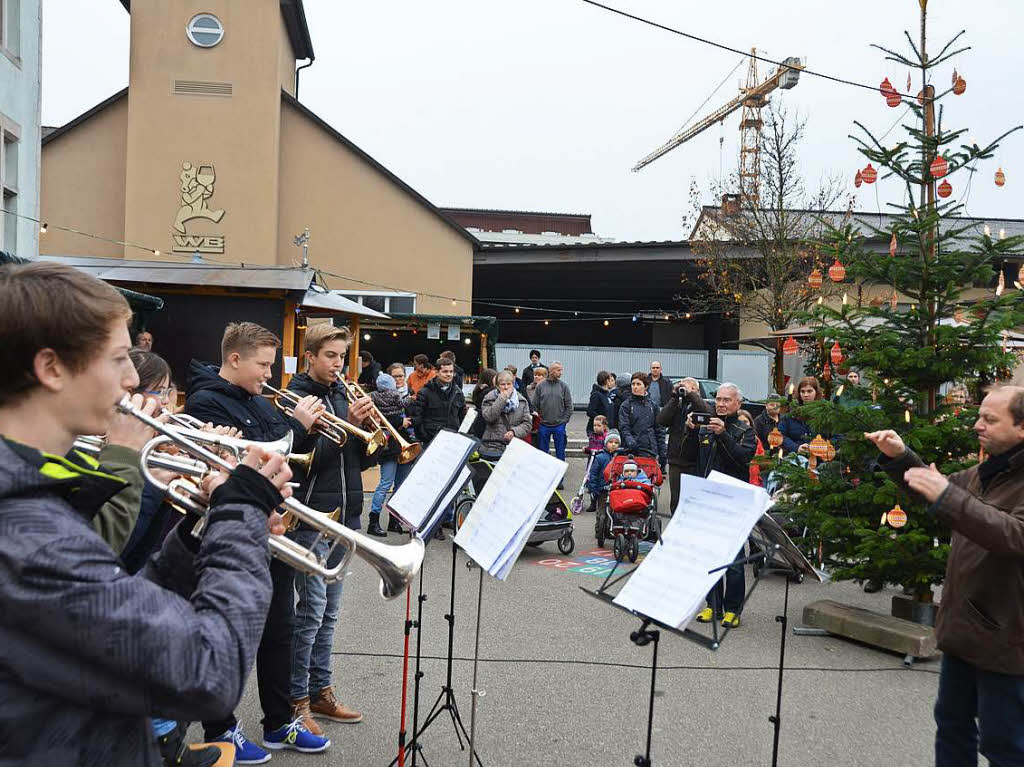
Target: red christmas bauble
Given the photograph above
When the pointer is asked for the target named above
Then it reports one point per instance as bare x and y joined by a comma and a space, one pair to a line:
897, 517
858, 180
886, 88
837, 272
790, 346
959, 86
869, 174
1000, 177
945, 189
893, 100
837, 354
814, 278
939, 167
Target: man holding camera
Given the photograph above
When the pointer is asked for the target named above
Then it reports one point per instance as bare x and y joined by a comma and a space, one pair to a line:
723, 443
685, 399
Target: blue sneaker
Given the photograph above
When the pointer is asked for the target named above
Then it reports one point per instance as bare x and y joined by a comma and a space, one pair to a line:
246, 752
296, 737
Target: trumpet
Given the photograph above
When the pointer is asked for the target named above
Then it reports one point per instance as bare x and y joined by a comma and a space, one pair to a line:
328, 425
408, 450
396, 565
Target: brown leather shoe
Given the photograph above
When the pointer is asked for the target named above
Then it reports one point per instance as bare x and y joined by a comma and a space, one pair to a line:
301, 710
326, 705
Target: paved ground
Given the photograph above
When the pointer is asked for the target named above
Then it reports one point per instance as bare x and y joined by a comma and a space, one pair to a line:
565, 685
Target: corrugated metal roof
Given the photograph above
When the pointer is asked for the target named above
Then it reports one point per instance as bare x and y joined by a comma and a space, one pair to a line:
176, 273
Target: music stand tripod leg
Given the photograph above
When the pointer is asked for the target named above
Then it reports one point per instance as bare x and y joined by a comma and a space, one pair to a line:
776, 720
474, 692
641, 637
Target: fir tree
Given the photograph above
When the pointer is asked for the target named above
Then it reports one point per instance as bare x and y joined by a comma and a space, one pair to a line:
939, 315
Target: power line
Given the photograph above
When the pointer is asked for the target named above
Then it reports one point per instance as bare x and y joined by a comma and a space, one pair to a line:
730, 49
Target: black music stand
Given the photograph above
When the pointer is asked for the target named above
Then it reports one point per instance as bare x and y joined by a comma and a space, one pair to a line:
776, 543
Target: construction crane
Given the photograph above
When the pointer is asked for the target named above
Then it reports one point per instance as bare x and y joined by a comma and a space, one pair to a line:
751, 100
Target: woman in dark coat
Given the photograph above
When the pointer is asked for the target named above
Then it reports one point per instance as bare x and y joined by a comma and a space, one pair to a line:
602, 400
637, 420
483, 387
796, 435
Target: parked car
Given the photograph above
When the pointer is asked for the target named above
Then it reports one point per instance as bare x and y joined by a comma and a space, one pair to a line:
709, 388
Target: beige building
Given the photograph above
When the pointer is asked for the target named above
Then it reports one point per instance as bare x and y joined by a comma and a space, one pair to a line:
208, 152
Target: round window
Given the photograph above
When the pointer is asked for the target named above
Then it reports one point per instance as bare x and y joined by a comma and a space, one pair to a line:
205, 30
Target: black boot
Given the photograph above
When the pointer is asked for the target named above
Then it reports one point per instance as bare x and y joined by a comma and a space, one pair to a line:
374, 527
393, 526
593, 504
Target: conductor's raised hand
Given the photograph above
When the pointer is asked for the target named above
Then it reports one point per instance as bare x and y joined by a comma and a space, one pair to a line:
928, 482
888, 442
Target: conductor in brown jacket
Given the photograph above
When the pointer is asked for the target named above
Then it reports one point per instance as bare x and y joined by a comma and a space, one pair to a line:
980, 624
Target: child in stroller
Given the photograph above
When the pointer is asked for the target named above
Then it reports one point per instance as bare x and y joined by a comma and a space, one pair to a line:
628, 510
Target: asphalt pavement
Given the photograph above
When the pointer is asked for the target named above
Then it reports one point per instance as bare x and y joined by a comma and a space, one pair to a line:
564, 684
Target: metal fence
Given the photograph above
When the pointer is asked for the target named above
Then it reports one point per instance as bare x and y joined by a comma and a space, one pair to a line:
581, 363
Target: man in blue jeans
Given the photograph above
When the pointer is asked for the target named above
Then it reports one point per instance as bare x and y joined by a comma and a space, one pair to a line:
332, 484
553, 401
981, 618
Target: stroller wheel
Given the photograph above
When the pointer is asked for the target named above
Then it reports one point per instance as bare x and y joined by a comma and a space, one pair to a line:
566, 544
576, 505
619, 547
462, 511
634, 548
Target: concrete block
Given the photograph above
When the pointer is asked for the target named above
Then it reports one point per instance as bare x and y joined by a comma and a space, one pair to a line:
877, 629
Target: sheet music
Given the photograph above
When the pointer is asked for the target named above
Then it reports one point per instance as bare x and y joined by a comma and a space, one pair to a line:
420, 493
442, 507
709, 527
508, 507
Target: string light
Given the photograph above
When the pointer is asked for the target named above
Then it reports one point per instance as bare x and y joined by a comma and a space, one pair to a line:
42, 229
467, 341
366, 336
517, 310
606, 323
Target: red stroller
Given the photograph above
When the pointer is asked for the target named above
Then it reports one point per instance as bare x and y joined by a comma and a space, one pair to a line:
628, 512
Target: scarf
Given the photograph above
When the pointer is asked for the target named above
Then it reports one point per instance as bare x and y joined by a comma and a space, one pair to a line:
512, 402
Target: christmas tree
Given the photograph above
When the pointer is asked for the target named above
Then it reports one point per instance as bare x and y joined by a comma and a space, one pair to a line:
935, 311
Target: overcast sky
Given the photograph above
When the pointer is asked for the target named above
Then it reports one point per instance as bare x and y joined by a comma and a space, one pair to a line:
547, 104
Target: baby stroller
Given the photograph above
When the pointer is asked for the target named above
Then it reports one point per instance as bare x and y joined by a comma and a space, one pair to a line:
576, 504
628, 512
555, 523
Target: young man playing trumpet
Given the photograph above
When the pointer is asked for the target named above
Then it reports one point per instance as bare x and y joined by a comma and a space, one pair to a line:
230, 395
332, 482
85, 648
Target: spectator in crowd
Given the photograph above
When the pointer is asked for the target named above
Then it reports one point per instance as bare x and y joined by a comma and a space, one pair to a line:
755, 470
392, 473
796, 434
852, 392
144, 340
726, 444
553, 401
602, 399
505, 413
685, 399
369, 370
595, 477
483, 387
768, 420
661, 384
460, 374
535, 363
439, 404
638, 420
422, 372
515, 374
980, 621
540, 373
595, 443
397, 371
958, 395
623, 388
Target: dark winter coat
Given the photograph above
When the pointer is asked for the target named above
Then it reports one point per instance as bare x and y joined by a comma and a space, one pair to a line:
981, 617
664, 389
368, 376
638, 426
595, 477
526, 379
764, 424
518, 421
480, 391
88, 653
392, 406
435, 409
602, 402
214, 400
794, 433
729, 452
622, 391
334, 480
673, 417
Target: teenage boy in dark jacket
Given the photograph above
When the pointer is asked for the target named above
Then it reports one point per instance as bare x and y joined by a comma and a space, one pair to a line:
685, 399
439, 404
527, 377
981, 617
332, 484
727, 444
230, 396
88, 653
